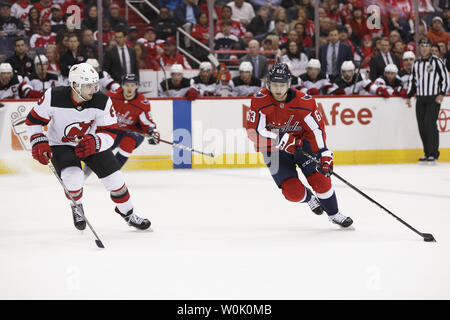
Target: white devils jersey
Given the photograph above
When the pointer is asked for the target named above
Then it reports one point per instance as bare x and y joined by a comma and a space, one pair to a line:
391, 88
51, 80
106, 82
66, 121
17, 88
174, 92
304, 83
355, 86
404, 77
240, 89
212, 88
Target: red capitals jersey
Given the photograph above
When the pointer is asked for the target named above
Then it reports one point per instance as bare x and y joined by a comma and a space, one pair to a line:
298, 116
132, 114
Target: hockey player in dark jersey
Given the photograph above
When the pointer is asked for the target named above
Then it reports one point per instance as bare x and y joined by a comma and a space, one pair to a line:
176, 85
314, 81
79, 121
13, 86
350, 83
41, 80
205, 84
390, 83
245, 84
281, 120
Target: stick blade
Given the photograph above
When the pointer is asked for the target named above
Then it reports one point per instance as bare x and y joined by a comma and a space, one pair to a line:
428, 237
99, 244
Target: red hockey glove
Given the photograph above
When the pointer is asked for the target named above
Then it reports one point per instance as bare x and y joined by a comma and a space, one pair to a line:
382, 92
192, 94
339, 92
325, 157
34, 94
154, 136
88, 145
313, 92
288, 143
402, 93
40, 148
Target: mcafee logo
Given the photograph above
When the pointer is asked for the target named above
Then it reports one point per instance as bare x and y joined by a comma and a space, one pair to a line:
75, 130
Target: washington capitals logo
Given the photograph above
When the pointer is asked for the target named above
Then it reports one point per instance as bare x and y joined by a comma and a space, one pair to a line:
75, 130
287, 127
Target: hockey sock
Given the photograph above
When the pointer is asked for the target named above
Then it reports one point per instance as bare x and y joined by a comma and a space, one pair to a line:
329, 203
121, 159
115, 183
73, 178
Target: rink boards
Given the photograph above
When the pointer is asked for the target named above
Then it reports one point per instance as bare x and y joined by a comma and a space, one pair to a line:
360, 130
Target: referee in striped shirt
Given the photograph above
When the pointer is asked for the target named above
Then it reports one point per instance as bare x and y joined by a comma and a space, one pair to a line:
429, 79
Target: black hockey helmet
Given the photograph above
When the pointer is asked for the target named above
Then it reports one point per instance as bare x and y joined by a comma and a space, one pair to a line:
279, 73
130, 77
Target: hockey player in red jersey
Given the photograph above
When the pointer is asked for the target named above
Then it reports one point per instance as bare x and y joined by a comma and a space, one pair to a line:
79, 120
281, 120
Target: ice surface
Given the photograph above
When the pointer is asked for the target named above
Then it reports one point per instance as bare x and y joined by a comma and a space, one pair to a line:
228, 234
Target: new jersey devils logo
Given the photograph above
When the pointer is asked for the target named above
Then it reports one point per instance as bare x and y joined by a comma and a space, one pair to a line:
74, 130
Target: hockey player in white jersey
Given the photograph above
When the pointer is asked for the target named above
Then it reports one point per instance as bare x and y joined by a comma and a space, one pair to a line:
245, 84
42, 80
79, 118
350, 83
408, 61
205, 83
177, 85
391, 82
105, 81
314, 81
13, 86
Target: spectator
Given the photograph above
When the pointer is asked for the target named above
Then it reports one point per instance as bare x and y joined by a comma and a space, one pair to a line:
88, 45
267, 47
72, 56
32, 22
44, 7
53, 59
398, 49
21, 63
236, 27
108, 33
243, 42
165, 26
303, 38
200, 31
91, 21
259, 62
367, 50
170, 55
121, 59
273, 5
394, 36
225, 41
333, 54
217, 13
435, 50
280, 31
133, 35
20, 9
187, 14
170, 4
56, 18
358, 24
9, 26
152, 46
399, 24
205, 84
291, 36
114, 18
259, 25
382, 59
446, 19
302, 18
344, 38
291, 7
443, 50
436, 34
242, 11
177, 85
45, 37
279, 14
296, 59
144, 60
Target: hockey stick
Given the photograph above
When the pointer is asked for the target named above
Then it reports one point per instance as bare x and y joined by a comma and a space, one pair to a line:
165, 78
98, 242
356, 79
175, 145
428, 237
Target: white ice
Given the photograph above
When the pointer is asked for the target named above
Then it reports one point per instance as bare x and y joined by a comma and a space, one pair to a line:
228, 234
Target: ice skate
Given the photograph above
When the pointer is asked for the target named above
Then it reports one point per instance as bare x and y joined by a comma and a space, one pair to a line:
423, 160
431, 161
135, 221
78, 217
315, 205
341, 220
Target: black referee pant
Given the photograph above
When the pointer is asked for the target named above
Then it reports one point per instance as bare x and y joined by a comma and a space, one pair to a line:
427, 112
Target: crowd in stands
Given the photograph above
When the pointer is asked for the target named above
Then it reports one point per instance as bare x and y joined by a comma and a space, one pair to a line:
357, 54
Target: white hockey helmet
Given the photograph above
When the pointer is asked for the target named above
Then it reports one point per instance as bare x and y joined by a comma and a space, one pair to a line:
246, 66
348, 66
205, 65
391, 68
82, 73
176, 68
408, 55
314, 64
93, 62
40, 59
5, 67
